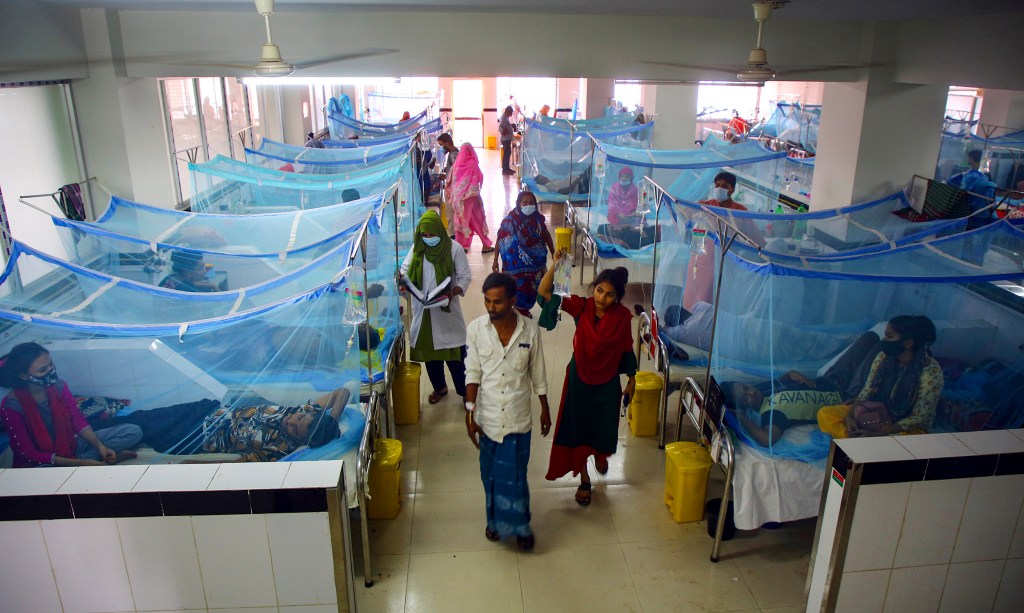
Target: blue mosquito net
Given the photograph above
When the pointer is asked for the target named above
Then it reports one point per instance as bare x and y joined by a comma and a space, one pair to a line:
623, 217
1001, 156
268, 233
556, 156
343, 127
823, 317
224, 185
793, 123
185, 383
431, 128
293, 158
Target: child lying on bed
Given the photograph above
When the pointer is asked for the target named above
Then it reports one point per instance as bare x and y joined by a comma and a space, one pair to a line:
259, 433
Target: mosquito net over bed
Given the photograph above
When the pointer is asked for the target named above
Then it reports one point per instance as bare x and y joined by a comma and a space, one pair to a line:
824, 317
343, 127
223, 185
793, 123
132, 223
189, 384
623, 216
293, 158
557, 155
1002, 156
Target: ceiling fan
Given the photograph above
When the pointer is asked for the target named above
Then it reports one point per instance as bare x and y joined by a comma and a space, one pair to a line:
271, 63
757, 70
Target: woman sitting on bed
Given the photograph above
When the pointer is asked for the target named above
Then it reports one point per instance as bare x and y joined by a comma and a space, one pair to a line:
625, 226
902, 388
44, 422
258, 433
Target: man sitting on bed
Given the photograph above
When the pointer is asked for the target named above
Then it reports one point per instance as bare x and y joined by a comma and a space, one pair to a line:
258, 433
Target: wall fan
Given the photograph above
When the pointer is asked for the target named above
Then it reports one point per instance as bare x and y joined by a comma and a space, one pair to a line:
757, 70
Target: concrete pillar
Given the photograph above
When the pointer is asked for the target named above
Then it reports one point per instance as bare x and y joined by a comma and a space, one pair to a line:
599, 95
292, 123
1002, 107
675, 110
874, 136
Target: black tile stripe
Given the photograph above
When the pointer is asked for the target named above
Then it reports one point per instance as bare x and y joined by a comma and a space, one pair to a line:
900, 471
157, 504
962, 467
1010, 464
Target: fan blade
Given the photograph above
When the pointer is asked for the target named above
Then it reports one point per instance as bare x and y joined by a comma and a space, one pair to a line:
690, 67
832, 68
342, 58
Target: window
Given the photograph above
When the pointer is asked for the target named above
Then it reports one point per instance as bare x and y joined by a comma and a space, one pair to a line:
208, 116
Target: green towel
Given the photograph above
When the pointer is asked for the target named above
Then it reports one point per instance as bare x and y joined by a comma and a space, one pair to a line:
548, 311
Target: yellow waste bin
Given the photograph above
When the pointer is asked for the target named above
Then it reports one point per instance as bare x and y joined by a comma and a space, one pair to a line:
385, 475
405, 393
563, 239
686, 480
492, 142
645, 404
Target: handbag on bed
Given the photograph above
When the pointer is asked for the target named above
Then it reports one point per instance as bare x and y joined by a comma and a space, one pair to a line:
871, 415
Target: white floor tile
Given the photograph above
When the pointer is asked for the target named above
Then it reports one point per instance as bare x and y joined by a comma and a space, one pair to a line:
581, 578
464, 581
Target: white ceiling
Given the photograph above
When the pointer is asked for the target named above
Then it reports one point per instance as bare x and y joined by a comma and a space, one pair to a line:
855, 10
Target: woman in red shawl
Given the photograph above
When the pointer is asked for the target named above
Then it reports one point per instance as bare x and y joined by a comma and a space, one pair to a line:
602, 349
467, 207
43, 420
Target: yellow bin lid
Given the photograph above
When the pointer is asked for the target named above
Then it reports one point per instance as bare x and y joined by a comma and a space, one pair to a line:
408, 368
388, 454
648, 381
563, 231
688, 456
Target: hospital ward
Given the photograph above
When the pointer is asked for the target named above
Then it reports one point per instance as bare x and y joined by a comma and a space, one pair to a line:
727, 298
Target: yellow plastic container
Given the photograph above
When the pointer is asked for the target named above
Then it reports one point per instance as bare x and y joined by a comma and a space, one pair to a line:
405, 393
645, 404
492, 142
385, 475
686, 480
563, 239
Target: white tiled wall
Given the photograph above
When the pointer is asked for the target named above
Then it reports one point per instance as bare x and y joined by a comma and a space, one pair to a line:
278, 562
932, 546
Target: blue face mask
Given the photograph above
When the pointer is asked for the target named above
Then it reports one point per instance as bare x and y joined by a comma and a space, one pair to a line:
624, 182
529, 209
720, 194
431, 241
46, 380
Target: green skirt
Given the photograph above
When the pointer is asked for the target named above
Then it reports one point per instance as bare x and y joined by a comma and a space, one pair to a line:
423, 349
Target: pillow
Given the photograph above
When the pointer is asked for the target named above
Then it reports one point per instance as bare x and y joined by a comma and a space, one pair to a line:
99, 408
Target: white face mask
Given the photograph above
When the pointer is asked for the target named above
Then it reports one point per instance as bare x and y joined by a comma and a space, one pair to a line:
431, 241
624, 182
720, 194
528, 209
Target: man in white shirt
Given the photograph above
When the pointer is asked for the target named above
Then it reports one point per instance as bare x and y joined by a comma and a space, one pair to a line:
504, 353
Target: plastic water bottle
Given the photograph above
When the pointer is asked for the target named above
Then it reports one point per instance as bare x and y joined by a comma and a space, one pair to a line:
698, 235
599, 167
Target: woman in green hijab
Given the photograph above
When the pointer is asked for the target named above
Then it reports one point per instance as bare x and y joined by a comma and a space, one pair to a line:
438, 330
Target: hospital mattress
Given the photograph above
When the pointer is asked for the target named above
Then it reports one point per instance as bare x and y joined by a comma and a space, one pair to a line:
546, 196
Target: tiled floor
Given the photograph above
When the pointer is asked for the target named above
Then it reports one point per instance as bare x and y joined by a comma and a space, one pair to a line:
622, 553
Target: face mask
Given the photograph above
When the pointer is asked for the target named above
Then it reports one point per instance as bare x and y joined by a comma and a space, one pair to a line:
529, 209
720, 194
48, 379
624, 182
431, 241
892, 348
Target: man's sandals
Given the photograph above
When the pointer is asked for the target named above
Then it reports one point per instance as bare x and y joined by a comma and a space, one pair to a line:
436, 396
583, 495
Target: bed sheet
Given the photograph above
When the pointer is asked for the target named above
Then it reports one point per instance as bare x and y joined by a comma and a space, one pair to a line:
767, 489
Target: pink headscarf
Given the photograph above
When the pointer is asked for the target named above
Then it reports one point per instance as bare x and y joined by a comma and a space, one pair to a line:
622, 200
466, 174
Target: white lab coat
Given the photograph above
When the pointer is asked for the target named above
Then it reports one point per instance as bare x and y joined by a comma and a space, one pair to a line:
448, 329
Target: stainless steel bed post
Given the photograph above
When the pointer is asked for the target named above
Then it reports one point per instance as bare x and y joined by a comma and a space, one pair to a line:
363, 461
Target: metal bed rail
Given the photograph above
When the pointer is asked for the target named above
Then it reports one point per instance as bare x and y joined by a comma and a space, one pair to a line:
645, 336
395, 356
718, 441
363, 461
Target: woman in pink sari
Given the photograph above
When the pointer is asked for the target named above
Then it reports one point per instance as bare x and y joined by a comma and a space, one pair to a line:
467, 207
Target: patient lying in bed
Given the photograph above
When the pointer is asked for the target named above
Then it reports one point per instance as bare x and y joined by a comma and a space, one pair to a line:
257, 433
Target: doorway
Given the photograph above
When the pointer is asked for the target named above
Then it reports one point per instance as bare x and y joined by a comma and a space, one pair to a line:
467, 110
